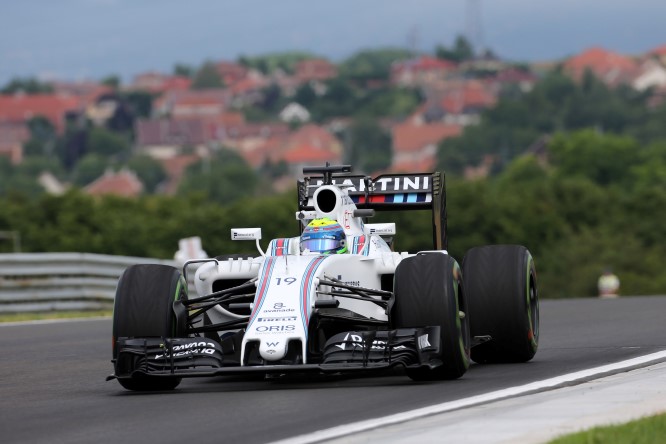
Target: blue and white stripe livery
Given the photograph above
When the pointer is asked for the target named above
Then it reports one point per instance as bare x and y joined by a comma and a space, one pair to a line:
283, 304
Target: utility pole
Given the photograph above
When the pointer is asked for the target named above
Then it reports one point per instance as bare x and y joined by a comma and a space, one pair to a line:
474, 26
413, 40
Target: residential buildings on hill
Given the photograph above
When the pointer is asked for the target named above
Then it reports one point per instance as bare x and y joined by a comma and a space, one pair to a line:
187, 125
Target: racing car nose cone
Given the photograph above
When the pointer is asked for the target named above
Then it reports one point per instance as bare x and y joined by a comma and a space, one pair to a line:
273, 350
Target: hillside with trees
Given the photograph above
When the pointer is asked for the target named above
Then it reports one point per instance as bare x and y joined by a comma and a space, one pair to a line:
556, 104
573, 169
567, 213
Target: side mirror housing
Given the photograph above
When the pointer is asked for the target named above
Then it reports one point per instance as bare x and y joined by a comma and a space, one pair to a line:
385, 229
245, 233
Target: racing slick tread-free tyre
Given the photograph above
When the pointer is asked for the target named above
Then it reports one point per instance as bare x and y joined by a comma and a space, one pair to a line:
502, 301
428, 292
143, 308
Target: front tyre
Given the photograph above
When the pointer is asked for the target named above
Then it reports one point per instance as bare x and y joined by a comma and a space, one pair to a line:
143, 308
502, 299
429, 292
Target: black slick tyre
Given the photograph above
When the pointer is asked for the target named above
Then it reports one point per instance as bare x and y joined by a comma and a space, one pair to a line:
143, 308
502, 300
429, 292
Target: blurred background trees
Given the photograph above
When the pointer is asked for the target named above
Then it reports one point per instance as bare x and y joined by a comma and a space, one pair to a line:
223, 178
578, 175
572, 218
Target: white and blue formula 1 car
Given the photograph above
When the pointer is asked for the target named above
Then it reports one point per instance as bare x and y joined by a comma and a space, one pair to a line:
334, 299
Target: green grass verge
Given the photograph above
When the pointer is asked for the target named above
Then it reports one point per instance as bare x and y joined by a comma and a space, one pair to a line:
20, 317
649, 430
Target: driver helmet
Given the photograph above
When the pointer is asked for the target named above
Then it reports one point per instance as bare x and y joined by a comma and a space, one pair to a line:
324, 236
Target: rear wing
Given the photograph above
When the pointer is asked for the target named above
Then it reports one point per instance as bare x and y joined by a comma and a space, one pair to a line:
386, 192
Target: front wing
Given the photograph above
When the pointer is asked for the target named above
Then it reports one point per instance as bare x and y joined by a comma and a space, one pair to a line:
345, 352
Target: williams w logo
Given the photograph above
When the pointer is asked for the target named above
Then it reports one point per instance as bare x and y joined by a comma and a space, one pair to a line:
272, 344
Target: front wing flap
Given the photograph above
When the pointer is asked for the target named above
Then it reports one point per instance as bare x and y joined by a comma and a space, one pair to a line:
408, 346
344, 352
170, 355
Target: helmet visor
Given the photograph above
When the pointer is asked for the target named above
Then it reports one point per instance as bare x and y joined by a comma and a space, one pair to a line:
320, 245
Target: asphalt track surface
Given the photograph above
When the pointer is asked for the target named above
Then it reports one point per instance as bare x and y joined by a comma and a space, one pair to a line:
53, 390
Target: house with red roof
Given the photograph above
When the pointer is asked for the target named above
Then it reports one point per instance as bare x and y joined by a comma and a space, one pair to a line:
18, 108
456, 102
211, 107
216, 126
174, 168
421, 70
658, 53
310, 144
652, 74
230, 118
288, 84
231, 72
164, 138
250, 135
610, 67
315, 136
248, 91
252, 141
314, 70
192, 103
89, 92
302, 155
415, 145
463, 105
12, 137
123, 183
101, 111
157, 83
486, 63
257, 153
523, 80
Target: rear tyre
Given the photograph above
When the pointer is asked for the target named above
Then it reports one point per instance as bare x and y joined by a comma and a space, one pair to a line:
502, 300
428, 292
143, 308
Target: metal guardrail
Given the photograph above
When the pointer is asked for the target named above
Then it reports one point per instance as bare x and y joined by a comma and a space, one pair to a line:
31, 282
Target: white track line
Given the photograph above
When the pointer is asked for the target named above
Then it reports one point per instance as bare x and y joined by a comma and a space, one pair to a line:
53, 321
534, 387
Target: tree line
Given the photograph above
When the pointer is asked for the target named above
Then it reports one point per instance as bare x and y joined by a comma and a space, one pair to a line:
556, 104
578, 175
574, 221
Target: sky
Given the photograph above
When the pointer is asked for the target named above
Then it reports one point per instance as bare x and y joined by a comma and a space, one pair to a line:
92, 39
